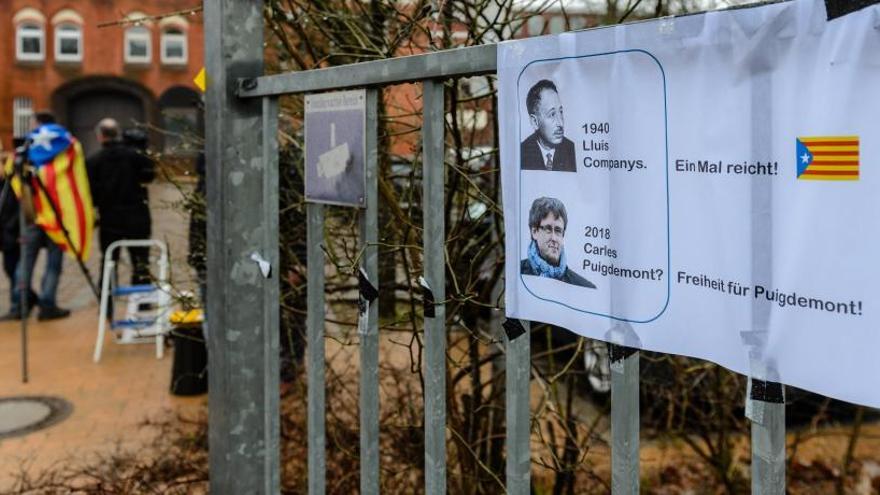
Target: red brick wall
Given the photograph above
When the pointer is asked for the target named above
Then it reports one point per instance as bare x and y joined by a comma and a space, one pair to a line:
102, 52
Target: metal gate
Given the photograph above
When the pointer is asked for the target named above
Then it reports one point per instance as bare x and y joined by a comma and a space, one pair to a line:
242, 119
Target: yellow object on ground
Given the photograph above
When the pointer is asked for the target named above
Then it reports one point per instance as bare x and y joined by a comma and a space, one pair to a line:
193, 316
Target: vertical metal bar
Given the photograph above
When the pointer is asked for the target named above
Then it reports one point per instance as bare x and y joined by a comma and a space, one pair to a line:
434, 262
315, 347
271, 296
369, 398
24, 288
768, 419
768, 447
242, 305
625, 425
518, 371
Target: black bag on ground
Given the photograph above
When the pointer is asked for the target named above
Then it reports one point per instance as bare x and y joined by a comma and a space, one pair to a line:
189, 372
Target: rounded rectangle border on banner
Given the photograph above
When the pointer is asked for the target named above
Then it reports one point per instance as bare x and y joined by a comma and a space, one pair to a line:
559, 161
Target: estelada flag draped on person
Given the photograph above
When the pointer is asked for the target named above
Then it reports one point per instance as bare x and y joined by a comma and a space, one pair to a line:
57, 161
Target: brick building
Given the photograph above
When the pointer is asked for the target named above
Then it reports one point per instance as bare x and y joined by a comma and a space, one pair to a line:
56, 57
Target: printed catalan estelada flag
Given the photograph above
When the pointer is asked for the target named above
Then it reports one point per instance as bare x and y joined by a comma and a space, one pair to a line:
59, 170
828, 158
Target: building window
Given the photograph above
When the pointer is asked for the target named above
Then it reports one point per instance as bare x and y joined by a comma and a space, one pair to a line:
557, 24
29, 38
22, 112
173, 46
536, 25
475, 87
68, 43
137, 45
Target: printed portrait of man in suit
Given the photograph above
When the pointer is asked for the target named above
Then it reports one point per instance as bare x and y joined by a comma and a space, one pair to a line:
547, 148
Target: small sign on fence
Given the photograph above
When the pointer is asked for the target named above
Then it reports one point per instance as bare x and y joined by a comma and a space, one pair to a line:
708, 183
335, 126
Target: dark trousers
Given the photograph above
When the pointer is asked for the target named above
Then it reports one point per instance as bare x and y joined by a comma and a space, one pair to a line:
11, 253
34, 240
139, 256
11, 256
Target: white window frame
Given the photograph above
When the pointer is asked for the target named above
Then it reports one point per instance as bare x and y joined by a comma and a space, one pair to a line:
36, 30
22, 113
60, 34
138, 33
179, 35
556, 24
536, 25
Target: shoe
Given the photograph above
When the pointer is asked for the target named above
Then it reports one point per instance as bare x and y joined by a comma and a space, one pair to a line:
52, 313
13, 315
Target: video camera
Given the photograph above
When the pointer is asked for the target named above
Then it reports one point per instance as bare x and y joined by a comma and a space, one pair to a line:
135, 138
21, 146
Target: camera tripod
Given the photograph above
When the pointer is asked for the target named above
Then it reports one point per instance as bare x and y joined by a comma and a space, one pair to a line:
23, 171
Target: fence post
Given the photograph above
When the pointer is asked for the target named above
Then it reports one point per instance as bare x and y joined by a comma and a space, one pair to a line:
242, 305
518, 371
369, 398
765, 402
271, 296
765, 407
315, 347
624, 420
434, 266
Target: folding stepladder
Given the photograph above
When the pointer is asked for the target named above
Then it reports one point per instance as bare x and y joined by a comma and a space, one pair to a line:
147, 306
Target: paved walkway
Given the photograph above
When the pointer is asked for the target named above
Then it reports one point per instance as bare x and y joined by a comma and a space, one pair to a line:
110, 399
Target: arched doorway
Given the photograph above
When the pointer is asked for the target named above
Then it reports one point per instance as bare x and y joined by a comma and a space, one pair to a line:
86, 110
181, 126
81, 104
181, 121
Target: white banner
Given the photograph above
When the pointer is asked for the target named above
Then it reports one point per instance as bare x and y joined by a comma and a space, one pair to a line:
705, 185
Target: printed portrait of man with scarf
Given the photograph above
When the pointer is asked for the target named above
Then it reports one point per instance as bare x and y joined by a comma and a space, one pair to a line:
547, 223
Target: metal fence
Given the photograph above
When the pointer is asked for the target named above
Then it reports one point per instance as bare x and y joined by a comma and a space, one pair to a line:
242, 116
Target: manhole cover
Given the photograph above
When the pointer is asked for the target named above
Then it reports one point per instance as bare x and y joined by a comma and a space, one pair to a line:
22, 415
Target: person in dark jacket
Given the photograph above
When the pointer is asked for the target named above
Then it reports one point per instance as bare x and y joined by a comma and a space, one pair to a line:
9, 234
117, 177
198, 224
547, 222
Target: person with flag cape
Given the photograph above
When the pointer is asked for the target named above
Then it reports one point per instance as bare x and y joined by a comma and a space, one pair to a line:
52, 186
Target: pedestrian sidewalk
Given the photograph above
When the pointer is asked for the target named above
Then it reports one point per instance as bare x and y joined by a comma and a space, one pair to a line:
110, 399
